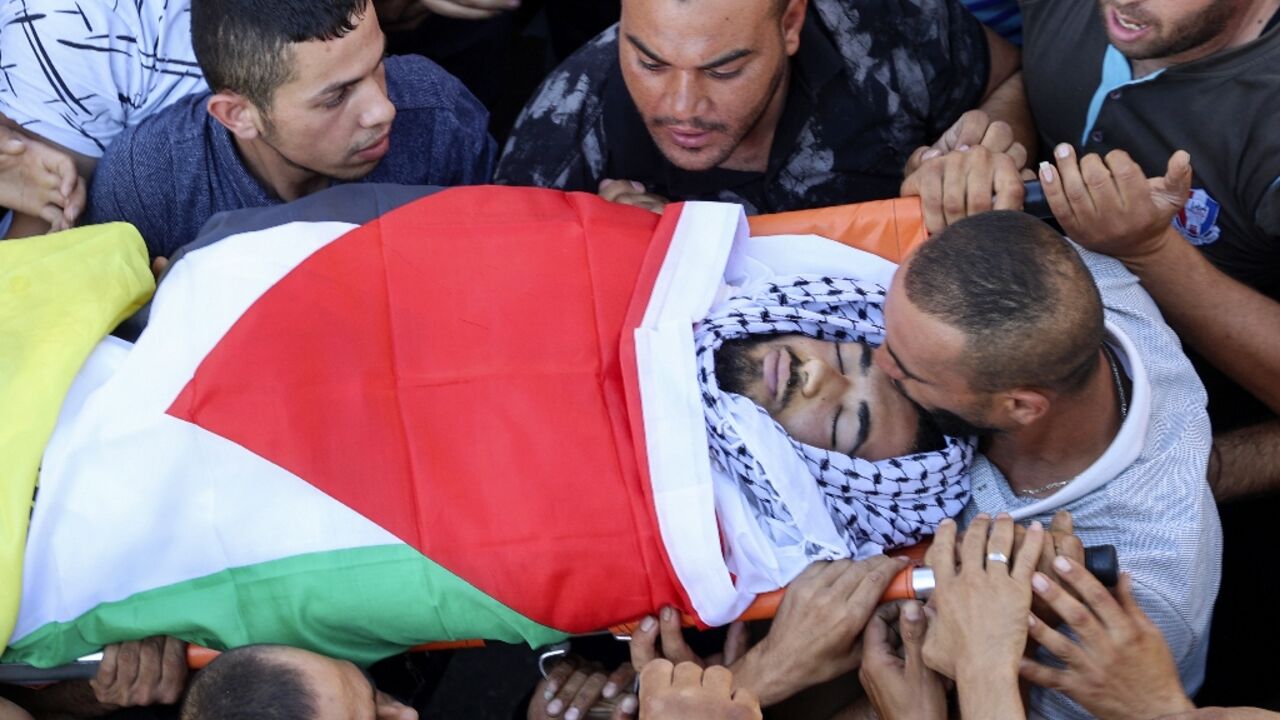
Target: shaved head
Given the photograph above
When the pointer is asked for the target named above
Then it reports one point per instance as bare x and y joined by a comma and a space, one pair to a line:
1021, 296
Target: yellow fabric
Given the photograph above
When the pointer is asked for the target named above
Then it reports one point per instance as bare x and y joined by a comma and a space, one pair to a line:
60, 295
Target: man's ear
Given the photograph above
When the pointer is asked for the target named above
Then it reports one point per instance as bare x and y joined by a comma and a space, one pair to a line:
792, 22
1024, 406
236, 114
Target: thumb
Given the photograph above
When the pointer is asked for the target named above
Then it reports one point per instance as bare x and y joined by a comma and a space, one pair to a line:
644, 643
1178, 174
912, 624
1172, 189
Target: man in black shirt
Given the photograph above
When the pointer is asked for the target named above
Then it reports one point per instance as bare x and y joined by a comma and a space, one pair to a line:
774, 104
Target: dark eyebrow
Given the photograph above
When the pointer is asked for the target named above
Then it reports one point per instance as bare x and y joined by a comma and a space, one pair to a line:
726, 59
864, 426
335, 87
903, 368
718, 62
343, 84
641, 47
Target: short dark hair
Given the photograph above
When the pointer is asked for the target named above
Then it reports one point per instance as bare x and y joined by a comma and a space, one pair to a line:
734, 366
1027, 305
249, 683
243, 45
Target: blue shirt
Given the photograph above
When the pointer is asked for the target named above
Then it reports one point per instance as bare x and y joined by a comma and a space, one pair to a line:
170, 174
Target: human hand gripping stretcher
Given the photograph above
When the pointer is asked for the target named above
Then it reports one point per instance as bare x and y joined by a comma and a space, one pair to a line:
913, 582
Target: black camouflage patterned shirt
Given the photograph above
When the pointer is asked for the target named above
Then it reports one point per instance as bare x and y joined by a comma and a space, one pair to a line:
872, 81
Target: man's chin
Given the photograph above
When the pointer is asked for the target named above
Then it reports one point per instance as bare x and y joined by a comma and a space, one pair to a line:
694, 159
354, 171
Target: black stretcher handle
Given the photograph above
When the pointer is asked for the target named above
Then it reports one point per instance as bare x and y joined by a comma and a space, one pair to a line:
1034, 202
1102, 562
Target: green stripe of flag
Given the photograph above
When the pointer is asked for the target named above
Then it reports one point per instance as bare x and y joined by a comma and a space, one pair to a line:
361, 604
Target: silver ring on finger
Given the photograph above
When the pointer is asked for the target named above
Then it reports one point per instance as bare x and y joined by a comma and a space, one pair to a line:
997, 557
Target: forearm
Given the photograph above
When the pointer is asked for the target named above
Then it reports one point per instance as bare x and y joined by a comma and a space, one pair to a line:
1242, 341
768, 680
987, 692
1008, 102
1245, 461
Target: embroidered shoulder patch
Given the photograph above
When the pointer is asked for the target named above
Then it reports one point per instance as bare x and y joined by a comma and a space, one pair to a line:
1198, 219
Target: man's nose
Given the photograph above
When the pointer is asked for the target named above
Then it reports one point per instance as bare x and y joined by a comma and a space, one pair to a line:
685, 95
887, 365
379, 111
820, 377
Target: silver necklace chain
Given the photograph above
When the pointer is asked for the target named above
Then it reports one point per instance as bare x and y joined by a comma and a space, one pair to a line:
1114, 364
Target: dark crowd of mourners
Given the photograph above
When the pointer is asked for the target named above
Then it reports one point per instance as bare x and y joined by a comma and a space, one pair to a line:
1139, 364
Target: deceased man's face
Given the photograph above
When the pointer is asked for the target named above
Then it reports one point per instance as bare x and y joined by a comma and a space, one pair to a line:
826, 394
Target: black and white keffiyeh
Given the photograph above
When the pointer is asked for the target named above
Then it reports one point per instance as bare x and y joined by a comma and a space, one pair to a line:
875, 505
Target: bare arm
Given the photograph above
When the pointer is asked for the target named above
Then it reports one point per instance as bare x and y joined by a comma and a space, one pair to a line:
1245, 461
1007, 103
1243, 343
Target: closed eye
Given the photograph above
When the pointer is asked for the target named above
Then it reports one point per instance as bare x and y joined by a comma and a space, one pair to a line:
337, 99
724, 74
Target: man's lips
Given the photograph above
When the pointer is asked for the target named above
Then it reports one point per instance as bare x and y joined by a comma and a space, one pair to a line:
688, 138
376, 149
776, 369
1124, 28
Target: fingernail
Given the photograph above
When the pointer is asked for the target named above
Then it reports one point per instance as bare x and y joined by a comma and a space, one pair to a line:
1040, 582
1061, 565
911, 612
572, 714
1031, 620
931, 154
946, 521
667, 613
628, 704
610, 689
963, 148
1035, 525
1062, 150
550, 691
1046, 172
647, 623
982, 516
1004, 515
555, 707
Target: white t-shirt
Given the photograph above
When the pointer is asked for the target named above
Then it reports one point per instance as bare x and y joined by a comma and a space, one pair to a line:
77, 72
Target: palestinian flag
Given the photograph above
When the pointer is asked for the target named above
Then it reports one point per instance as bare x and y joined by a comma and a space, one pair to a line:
383, 416
353, 429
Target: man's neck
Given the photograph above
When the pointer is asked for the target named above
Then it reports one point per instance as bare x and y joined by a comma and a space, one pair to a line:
1245, 27
1064, 442
281, 177
752, 153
